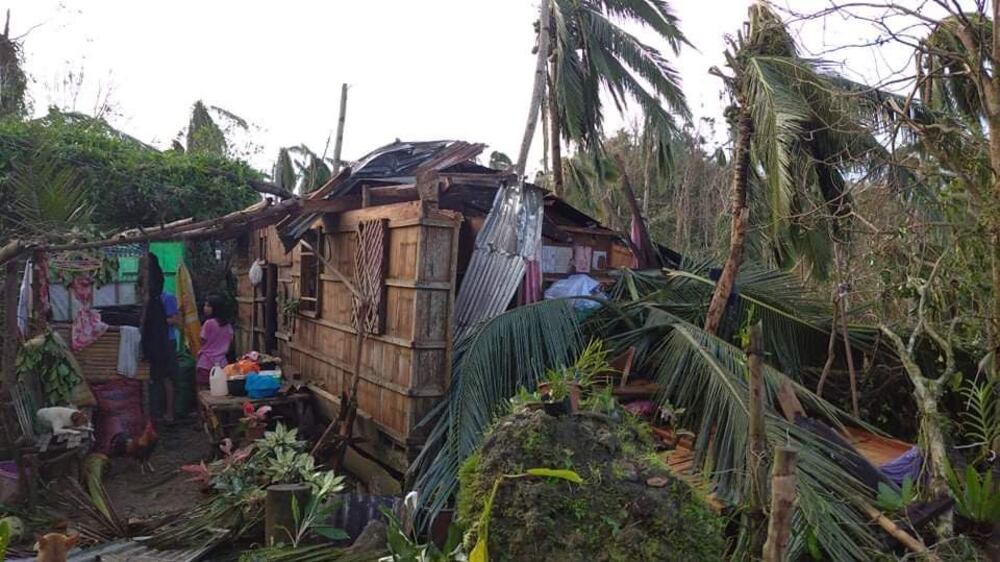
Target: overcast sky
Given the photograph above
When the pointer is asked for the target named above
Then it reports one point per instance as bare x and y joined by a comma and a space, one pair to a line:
417, 69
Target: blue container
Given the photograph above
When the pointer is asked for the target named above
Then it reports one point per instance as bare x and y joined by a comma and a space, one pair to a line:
262, 386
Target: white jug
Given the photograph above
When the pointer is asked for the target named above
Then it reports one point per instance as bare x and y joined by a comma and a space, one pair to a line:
217, 383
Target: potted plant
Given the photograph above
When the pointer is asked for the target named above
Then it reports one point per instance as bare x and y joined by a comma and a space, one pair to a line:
560, 394
254, 422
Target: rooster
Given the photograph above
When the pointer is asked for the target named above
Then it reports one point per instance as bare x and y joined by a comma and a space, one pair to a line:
140, 448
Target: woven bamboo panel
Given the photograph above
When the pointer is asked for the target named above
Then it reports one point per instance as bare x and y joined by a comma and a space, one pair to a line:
99, 360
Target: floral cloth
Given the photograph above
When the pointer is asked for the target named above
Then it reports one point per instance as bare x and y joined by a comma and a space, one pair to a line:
87, 324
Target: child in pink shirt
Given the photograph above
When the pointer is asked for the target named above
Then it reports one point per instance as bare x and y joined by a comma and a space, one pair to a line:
216, 337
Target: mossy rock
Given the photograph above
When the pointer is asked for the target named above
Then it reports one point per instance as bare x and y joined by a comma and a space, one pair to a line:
628, 508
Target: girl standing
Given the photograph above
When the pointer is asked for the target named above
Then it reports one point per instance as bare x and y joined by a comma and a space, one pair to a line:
216, 337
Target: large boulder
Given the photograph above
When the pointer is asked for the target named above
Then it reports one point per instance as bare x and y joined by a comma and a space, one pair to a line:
629, 507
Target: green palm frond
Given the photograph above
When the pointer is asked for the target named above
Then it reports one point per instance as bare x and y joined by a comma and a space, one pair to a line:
594, 52
510, 351
49, 196
284, 173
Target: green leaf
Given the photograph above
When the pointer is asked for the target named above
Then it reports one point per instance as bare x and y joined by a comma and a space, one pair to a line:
569, 475
332, 533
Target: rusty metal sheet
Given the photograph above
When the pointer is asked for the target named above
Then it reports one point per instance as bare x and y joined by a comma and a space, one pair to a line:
511, 233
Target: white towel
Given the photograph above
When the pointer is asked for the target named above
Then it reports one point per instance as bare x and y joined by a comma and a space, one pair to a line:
128, 350
24, 301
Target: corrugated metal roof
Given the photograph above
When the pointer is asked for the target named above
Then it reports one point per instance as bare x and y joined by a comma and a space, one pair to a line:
511, 232
398, 162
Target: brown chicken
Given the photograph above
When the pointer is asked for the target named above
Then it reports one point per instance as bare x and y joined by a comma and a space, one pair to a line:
141, 448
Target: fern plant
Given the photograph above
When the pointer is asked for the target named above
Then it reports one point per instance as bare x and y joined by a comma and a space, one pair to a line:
980, 419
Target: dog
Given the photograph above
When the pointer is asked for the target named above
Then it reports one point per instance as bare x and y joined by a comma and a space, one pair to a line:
55, 547
64, 421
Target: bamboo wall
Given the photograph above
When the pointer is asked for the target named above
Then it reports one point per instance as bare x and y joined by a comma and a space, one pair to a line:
406, 369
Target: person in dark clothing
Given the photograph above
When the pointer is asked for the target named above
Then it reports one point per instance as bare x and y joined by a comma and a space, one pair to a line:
157, 346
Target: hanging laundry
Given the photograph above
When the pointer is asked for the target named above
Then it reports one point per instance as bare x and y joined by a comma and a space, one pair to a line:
191, 326
87, 324
41, 277
129, 347
24, 302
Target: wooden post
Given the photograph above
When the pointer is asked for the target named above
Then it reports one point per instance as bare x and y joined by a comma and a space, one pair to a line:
340, 130
10, 293
279, 520
782, 505
756, 522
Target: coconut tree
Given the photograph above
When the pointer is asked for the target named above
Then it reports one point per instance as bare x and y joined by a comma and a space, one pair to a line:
583, 51
799, 131
13, 81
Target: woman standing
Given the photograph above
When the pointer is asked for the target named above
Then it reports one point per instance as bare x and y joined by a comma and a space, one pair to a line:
216, 337
156, 345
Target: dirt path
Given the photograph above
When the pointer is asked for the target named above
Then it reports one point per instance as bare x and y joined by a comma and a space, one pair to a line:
139, 495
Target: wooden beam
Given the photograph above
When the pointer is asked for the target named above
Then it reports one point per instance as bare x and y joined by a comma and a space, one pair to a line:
12, 250
225, 224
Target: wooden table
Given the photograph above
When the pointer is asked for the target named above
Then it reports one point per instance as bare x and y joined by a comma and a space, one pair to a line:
220, 414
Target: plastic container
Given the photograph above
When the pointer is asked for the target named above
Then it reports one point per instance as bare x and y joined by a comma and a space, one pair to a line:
217, 382
237, 386
262, 386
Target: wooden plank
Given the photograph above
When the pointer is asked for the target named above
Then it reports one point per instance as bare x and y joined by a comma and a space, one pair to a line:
429, 392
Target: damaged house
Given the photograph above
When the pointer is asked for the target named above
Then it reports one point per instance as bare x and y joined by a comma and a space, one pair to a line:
438, 243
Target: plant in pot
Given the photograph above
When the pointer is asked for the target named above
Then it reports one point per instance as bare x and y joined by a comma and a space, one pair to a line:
568, 383
560, 394
254, 422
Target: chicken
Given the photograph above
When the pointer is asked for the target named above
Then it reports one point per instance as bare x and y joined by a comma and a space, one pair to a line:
140, 448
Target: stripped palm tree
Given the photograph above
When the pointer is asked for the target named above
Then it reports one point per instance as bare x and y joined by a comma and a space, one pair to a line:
799, 132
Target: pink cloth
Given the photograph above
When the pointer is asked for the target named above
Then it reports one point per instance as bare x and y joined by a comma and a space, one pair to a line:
636, 235
87, 324
531, 289
215, 340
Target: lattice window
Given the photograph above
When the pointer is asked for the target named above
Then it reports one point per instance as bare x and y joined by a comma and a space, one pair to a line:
370, 261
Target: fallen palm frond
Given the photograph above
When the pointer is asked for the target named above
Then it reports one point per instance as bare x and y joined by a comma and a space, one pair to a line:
510, 351
315, 553
699, 373
706, 376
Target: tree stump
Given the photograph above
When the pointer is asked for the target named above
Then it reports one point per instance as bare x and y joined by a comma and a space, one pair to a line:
279, 521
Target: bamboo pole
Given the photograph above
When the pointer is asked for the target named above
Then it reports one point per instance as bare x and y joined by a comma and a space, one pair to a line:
10, 293
757, 447
338, 144
900, 534
782, 505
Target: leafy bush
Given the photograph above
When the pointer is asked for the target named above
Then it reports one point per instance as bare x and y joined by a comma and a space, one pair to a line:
126, 182
977, 496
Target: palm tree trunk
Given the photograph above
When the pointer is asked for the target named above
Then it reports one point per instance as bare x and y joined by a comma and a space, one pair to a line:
555, 144
738, 232
537, 90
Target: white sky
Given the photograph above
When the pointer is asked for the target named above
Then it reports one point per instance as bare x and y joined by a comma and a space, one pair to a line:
417, 69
